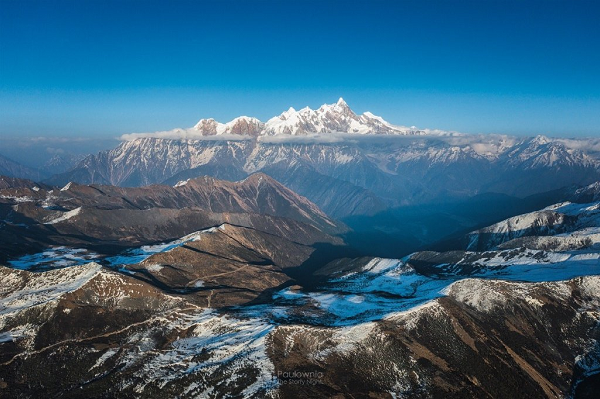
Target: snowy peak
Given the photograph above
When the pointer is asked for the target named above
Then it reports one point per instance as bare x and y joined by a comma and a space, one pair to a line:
542, 151
242, 125
328, 118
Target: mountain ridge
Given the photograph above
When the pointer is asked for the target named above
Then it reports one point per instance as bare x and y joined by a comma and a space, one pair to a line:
327, 119
397, 171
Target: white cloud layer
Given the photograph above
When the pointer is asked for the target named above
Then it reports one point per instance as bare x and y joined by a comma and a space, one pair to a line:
184, 134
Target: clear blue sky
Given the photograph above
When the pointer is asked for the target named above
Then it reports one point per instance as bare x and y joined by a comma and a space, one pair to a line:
103, 68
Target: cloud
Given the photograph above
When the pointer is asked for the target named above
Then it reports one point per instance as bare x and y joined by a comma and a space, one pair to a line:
55, 151
488, 145
586, 145
329, 138
316, 138
184, 134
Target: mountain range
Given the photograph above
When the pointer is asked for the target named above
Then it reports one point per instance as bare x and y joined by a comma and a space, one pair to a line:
319, 254
329, 118
242, 311
10, 168
332, 153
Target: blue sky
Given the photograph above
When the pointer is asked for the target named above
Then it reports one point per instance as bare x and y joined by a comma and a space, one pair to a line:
103, 68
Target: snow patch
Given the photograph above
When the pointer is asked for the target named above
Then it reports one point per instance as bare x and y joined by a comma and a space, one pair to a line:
65, 216
155, 268
181, 183
54, 258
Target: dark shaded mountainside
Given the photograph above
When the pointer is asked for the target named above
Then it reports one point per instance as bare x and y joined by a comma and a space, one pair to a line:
108, 219
58, 163
219, 313
12, 169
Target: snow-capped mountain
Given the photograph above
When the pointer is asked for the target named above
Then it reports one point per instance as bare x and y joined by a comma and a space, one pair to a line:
562, 226
329, 118
540, 152
243, 125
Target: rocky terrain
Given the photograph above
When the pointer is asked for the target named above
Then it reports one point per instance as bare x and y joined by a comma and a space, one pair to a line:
107, 219
239, 311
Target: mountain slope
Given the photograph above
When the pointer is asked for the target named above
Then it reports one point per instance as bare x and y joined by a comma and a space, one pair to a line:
13, 182
244, 312
570, 224
11, 168
107, 218
98, 332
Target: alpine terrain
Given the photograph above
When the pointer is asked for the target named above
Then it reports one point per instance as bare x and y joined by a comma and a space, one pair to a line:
321, 253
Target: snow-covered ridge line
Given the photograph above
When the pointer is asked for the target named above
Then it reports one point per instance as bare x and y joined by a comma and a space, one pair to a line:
181, 183
327, 119
138, 255
565, 219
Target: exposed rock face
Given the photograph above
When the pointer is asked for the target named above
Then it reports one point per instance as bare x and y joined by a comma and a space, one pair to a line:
256, 194
239, 126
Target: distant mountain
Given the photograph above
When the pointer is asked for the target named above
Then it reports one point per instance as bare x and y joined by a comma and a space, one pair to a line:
332, 118
347, 164
11, 168
352, 177
60, 163
329, 118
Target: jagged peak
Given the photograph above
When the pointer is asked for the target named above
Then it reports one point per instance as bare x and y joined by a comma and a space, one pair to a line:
541, 139
258, 177
337, 117
245, 118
